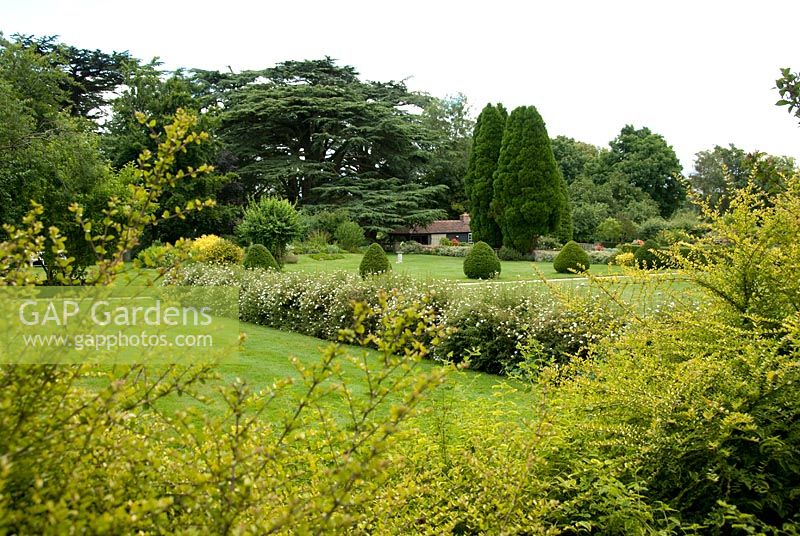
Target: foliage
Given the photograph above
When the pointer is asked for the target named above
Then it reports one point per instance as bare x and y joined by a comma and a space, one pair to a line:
451, 251
698, 406
788, 86
83, 449
410, 247
625, 259
48, 155
272, 222
509, 254
647, 162
485, 326
528, 194
573, 157
212, 248
450, 125
90, 75
648, 256
481, 262
258, 256
444, 241
349, 236
719, 172
609, 232
159, 94
316, 134
323, 222
374, 261
571, 258
550, 242
487, 139
158, 255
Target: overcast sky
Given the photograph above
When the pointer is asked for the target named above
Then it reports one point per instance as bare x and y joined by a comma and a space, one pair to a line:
700, 73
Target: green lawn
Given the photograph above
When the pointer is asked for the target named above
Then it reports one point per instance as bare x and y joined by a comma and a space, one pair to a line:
440, 267
265, 358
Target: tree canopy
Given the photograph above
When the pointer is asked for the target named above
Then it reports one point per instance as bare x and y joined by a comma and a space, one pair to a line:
313, 132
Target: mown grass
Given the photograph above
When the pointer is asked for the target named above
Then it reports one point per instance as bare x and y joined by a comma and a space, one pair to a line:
265, 358
444, 268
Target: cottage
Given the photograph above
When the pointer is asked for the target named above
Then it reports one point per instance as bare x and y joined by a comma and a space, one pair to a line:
432, 233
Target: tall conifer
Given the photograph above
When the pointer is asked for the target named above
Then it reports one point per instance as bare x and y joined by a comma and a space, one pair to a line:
528, 196
486, 140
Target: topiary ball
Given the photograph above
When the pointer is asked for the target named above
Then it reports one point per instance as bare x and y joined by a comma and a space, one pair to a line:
374, 261
571, 258
646, 256
258, 256
481, 262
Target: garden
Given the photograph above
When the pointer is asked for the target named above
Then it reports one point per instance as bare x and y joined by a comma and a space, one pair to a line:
640, 381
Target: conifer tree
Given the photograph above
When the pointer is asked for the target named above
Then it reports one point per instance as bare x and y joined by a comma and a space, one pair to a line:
528, 197
486, 140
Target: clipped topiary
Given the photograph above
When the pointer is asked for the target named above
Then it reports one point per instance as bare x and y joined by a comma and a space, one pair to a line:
481, 262
571, 258
374, 261
258, 256
646, 256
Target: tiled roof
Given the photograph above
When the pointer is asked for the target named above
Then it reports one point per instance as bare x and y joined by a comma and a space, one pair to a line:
439, 227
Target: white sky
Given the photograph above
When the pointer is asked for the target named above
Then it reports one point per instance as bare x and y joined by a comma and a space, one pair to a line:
700, 73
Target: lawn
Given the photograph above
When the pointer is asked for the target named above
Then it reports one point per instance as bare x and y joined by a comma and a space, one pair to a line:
265, 358
441, 267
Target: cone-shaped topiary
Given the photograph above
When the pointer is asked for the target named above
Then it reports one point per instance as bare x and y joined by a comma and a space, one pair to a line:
374, 261
481, 262
645, 256
571, 258
258, 256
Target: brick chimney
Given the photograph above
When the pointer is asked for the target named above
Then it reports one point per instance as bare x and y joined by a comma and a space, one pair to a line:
464, 217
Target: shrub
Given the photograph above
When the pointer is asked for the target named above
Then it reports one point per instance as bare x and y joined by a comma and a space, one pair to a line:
158, 255
609, 232
509, 254
455, 242
646, 256
374, 261
603, 256
349, 235
258, 256
316, 241
270, 221
199, 245
410, 247
625, 259
651, 227
452, 251
668, 237
571, 258
549, 242
211, 248
444, 241
481, 262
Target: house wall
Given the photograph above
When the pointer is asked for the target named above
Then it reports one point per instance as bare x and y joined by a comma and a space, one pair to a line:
435, 238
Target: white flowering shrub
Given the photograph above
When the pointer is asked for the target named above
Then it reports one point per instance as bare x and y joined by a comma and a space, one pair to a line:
497, 326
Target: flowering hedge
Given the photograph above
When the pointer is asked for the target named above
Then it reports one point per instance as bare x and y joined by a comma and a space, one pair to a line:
493, 326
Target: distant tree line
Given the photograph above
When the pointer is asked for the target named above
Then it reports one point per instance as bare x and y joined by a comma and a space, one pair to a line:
315, 133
